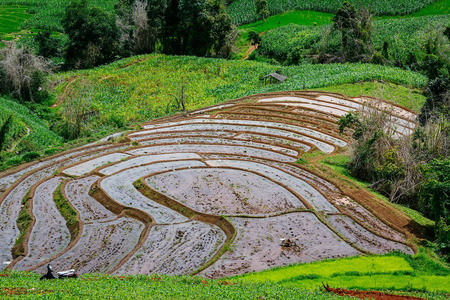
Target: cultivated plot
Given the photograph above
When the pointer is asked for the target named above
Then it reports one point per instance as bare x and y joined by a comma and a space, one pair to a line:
210, 193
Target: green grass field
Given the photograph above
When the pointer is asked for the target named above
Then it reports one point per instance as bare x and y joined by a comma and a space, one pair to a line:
28, 286
309, 18
396, 273
142, 88
11, 18
389, 272
402, 95
40, 137
47, 15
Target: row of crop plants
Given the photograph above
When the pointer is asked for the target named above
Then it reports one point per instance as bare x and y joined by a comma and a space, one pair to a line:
403, 37
243, 11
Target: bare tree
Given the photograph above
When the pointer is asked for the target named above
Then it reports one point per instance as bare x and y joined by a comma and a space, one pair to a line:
142, 36
25, 73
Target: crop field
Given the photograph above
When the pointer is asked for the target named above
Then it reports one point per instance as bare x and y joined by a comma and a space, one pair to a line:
48, 14
394, 272
11, 17
210, 193
142, 88
404, 36
243, 11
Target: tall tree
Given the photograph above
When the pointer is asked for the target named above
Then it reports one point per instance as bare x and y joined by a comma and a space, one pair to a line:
198, 27
93, 35
262, 9
355, 27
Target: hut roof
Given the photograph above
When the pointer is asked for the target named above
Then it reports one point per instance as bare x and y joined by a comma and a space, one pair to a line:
277, 76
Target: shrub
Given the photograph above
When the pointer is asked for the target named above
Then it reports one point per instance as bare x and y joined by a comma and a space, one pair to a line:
48, 46
93, 35
30, 156
435, 198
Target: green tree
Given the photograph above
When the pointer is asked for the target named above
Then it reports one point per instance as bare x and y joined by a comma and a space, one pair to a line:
254, 37
355, 27
435, 198
262, 9
48, 46
184, 18
93, 35
438, 100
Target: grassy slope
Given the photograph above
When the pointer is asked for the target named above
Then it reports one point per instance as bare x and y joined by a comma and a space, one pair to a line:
11, 17
142, 88
40, 136
48, 14
339, 164
402, 95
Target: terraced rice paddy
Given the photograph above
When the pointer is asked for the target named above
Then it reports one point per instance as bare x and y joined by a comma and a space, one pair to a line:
210, 193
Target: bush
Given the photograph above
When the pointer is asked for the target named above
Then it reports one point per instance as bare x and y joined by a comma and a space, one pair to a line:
254, 37
435, 198
93, 35
438, 100
48, 46
30, 156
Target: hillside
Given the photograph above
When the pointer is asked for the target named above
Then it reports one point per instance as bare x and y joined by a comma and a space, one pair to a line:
158, 174
243, 11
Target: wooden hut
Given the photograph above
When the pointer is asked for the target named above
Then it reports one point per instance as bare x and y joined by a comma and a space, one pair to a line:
274, 78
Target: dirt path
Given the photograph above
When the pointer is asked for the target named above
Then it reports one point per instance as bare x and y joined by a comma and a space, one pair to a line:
249, 51
369, 294
18, 141
61, 98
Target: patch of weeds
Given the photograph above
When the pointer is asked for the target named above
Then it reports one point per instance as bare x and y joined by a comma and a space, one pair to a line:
23, 223
67, 211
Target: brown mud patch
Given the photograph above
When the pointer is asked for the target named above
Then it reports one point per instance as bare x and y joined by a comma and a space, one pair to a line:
375, 295
17, 291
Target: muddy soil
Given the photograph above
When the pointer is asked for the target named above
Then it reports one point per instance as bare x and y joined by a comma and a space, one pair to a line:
302, 188
9, 211
325, 147
361, 214
363, 238
169, 134
241, 125
147, 159
8, 180
220, 149
90, 210
225, 191
213, 140
120, 188
272, 140
101, 247
50, 234
257, 244
375, 295
175, 249
89, 165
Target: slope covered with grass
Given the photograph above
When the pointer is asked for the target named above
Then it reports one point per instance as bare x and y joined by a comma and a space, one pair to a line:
25, 133
145, 87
